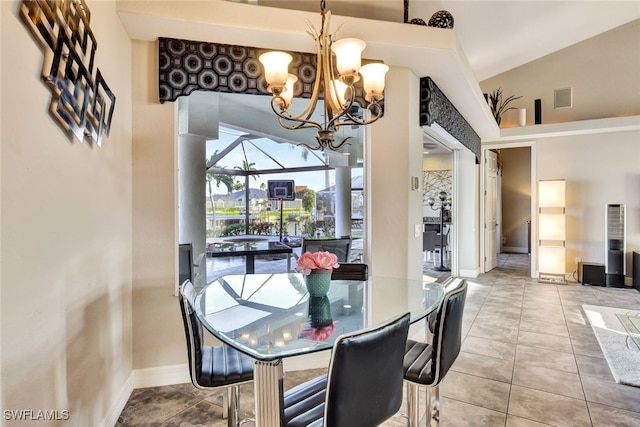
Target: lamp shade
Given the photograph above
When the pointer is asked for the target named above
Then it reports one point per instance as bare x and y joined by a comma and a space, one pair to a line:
373, 80
348, 52
551, 259
287, 95
276, 68
552, 227
551, 194
339, 90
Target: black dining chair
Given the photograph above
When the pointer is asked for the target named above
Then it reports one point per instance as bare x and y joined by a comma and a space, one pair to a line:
213, 367
340, 246
351, 271
364, 384
426, 364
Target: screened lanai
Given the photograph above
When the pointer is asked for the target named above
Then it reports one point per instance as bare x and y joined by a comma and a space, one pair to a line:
252, 160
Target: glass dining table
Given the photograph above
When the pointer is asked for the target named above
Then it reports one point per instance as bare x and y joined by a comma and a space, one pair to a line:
271, 317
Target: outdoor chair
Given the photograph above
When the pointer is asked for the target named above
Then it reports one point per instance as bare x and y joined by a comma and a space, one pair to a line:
340, 246
353, 271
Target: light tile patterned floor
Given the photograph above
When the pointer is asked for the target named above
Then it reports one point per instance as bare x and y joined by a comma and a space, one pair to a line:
529, 358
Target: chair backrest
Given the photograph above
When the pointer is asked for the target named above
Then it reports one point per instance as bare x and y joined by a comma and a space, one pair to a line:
192, 329
429, 241
185, 262
447, 328
366, 375
353, 271
341, 247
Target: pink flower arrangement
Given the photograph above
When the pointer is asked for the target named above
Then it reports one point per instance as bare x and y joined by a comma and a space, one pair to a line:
317, 333
316, 260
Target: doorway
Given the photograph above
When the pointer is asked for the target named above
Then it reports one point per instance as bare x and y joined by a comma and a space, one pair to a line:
508, 215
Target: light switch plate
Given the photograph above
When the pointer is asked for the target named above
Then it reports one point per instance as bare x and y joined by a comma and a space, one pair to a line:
417, 231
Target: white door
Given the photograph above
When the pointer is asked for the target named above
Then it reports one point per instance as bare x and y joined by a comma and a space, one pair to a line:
490, 211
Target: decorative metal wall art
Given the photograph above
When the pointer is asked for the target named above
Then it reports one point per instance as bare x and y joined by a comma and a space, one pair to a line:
435, 181
81, 102
435, 107
186, 66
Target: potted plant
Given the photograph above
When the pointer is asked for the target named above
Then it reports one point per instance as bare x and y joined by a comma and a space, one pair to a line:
498, 105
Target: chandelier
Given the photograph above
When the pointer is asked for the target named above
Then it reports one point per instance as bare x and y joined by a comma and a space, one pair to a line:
338, 69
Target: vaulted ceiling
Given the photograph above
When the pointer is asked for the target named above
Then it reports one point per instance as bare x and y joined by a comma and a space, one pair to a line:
495, 36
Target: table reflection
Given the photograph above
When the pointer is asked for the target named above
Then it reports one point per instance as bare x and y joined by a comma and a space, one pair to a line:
270, 316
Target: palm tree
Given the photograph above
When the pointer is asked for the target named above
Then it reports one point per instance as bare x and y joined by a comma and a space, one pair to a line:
227, 180
247, 167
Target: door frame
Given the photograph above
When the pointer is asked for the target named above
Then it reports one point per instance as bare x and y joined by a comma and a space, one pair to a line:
449, 142
496, 211
534, 197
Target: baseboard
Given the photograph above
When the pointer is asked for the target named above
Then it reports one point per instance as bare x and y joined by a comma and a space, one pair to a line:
161, 375
515, 249
469, 273
112, 416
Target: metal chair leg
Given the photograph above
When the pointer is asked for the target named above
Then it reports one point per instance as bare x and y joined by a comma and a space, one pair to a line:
413, 411
433, 407
225, 403
233, 408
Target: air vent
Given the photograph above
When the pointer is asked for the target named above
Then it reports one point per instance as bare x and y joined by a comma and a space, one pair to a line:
563, 98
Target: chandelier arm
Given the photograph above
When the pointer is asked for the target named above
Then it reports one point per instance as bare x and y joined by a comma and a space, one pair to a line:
284, 115
308, 111
337, 146
324, 144
353, 120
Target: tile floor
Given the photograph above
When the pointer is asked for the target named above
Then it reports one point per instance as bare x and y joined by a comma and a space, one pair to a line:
529, 358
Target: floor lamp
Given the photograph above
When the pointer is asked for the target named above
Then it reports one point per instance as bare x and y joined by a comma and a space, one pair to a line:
551, 233
445, 204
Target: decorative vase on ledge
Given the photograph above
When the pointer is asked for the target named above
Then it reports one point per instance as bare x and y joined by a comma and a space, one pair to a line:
318, 282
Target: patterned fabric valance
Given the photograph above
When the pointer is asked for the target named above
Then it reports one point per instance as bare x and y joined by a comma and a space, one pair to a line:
185, 66
435, 107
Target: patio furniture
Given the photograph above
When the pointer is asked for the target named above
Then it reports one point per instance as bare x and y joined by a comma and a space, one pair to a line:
340, 246
353, 271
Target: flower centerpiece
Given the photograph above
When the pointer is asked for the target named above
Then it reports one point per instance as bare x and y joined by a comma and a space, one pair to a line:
317, 268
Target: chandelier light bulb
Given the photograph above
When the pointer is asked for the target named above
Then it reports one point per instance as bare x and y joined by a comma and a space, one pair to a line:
348, 52
340, 90
287, 94
276, 69
373, 80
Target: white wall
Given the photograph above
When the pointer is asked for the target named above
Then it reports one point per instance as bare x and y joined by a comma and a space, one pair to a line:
155, 219
599, 169
466, 214
394, 155
66, 235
